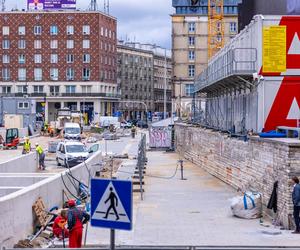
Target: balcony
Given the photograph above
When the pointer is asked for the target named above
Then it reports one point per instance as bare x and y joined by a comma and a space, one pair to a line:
90, 95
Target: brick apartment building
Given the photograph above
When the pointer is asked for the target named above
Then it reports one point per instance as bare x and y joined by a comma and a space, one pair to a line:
61, 59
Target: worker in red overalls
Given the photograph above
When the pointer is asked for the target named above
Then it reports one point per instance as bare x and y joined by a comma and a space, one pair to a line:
59, 224
76, 219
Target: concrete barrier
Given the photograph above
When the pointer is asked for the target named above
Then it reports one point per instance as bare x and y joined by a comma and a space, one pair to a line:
16, 209
22, 164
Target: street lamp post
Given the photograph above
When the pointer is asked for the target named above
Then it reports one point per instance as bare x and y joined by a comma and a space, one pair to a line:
165, 86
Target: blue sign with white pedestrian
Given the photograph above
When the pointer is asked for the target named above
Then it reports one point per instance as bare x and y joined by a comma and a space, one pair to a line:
111, 204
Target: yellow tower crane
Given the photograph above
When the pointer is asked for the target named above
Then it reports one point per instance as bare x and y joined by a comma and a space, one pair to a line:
216, 27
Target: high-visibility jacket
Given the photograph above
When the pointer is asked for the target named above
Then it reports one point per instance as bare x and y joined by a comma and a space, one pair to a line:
39, 149
27, 146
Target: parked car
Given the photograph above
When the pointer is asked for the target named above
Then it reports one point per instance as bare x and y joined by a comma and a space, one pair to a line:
142, 124
72, 131
71, 153
126, 124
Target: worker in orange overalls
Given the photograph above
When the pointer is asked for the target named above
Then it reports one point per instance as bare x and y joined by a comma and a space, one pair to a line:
76, 219
59, 224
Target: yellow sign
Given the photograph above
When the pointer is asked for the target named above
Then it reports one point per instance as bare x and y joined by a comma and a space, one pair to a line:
274, 49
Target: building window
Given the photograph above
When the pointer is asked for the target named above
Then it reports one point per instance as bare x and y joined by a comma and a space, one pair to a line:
6, 90
37, 44
21, 44
53, 30
86, 29
86, 44
192, 26
22, 74
54, 58
54, 74
70, 44
5, 30
5, 74
189, 89
86, 89
53, 44
21, 30
37, 58
38, 89
70, 30
106, 32
191, 55
21, 59
54, 90
191, 70
22, 89
102, 31
233, 27
191, 41
70, 74
37, 30
5, 58
70, 89
70, 58
86, 58
23, 105
86, 73
5, 44
38, 74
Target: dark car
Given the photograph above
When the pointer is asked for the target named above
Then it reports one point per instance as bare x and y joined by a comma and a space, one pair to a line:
142, 124
133, 122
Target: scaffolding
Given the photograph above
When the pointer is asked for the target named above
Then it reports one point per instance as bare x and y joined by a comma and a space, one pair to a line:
216, 27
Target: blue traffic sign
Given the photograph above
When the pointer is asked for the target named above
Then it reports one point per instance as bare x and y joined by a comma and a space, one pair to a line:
111, 204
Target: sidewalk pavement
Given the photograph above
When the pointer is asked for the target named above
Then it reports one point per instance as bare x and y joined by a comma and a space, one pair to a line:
190, 212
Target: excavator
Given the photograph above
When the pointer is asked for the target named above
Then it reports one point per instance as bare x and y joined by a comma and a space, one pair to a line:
12, 139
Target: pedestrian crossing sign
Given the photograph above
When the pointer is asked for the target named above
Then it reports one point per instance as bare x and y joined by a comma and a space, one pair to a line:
111, 204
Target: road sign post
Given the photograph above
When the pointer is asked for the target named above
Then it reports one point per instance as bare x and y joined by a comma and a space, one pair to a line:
111, 205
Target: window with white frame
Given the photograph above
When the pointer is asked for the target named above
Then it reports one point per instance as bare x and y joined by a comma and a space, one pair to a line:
37, 44
109, 33
86, 44
86, 74
70, 89
86, 58
70, 30
38, 89
192, 26
54, 90
37, 58
5, 74
189, 89
70, 58
6, 89
54, 74
86, 29
21, 30
38, 74
233, 27
37, 30
102, 31
54, 58
70, 74
21, 59
191, 70
70, 44
5, 30
53, 44
106, 32
53, 30
5, 44
22, 44
5, 58
86, 89
23, 89
191, 40
21, 74
23, 105
191, 55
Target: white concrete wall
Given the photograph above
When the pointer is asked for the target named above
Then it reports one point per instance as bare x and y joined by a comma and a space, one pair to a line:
22, 164
23, 181
16, 209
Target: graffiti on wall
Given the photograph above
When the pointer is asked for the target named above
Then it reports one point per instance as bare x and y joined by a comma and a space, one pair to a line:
160, 137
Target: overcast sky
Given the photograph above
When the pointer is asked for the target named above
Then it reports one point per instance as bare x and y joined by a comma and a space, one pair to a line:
146, 21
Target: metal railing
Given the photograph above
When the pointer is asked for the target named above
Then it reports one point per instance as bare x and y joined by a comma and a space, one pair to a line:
238, 61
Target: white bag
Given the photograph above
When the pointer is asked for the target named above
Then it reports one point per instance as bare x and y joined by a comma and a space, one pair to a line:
248, 206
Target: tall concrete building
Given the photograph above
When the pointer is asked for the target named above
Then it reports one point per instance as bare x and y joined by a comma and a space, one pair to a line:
144, 74
61, 59
190, 46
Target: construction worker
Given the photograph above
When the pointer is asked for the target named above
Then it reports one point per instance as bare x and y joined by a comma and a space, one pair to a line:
26, 146
59, 224
41, 155
76, 219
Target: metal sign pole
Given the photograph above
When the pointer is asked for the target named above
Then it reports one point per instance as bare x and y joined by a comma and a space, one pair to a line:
112, 239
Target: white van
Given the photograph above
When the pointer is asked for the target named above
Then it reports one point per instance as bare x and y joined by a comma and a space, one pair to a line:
71, 153
72, 131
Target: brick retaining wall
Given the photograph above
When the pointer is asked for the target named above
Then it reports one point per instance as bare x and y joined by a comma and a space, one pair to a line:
252, 165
